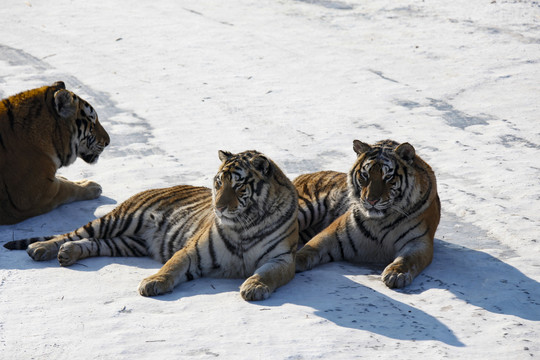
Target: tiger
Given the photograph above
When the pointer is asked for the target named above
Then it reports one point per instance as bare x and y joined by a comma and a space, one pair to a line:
42, 130
244, 227
385, 210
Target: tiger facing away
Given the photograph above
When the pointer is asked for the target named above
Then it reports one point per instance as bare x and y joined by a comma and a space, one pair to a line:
246, 226
386, 209
42, 130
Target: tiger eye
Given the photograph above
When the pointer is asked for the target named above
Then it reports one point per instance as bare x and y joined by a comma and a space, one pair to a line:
364, 175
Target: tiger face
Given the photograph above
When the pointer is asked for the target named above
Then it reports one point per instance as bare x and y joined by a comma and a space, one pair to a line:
90, 138
94, 137
238, 185
379, 177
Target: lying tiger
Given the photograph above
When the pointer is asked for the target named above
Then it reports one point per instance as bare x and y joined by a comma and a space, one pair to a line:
246, 226
386, 209
42, 130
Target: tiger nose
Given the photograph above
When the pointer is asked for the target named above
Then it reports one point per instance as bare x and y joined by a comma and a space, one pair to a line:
373, 202
107, 140
221, 208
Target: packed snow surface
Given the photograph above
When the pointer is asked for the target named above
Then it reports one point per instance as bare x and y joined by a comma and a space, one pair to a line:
175, 81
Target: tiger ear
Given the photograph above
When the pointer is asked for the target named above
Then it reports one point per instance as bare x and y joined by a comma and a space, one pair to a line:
59, 84
224, 155
406, 152
262, 165
64, 103
360, 147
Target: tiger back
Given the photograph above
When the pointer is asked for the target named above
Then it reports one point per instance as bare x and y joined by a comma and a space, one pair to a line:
42, 130
322, 198
386, 211
244, 227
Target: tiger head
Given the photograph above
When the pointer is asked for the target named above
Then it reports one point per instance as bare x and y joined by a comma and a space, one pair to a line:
382, 177
89, 138
242, 181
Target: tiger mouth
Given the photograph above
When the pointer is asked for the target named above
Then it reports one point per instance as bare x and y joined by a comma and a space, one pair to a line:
375, 213
90, 158
228, 216
221, 214
227, 220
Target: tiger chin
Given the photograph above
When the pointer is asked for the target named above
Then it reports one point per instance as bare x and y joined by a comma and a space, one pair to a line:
244, 227
42, 130
385, 210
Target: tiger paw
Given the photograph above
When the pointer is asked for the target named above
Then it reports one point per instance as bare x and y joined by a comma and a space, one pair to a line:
91, 190
68, 254
303, 260
301, 264
40, 251
396, 275
156, 285
254, 290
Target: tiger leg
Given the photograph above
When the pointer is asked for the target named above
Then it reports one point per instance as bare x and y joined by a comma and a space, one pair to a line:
42, 195
47, 249
409, 262
69, 191
414, 252
181, 267
273, 274
325, 247
72, 251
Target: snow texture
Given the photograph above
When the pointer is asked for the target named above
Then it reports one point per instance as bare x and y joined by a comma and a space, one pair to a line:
175, 81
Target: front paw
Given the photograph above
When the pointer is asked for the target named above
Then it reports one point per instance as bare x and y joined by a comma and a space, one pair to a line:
156, 285
40, 251
92, 190
397, 275
254, 290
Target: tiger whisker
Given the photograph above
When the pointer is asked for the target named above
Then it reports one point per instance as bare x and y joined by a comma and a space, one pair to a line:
399, 210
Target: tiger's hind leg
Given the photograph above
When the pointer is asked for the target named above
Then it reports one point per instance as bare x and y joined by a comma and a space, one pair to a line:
72, 251
47, 249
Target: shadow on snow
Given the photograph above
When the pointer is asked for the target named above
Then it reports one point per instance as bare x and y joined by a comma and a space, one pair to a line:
472, 276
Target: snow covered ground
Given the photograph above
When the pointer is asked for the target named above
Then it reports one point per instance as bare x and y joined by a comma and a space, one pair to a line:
175, 81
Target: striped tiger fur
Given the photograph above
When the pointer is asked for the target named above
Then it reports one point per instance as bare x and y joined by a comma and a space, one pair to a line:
245, 227
42, 130
386, 209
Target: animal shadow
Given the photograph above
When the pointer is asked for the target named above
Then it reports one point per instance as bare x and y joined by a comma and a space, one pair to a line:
480, 279
344, 302
473, 276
